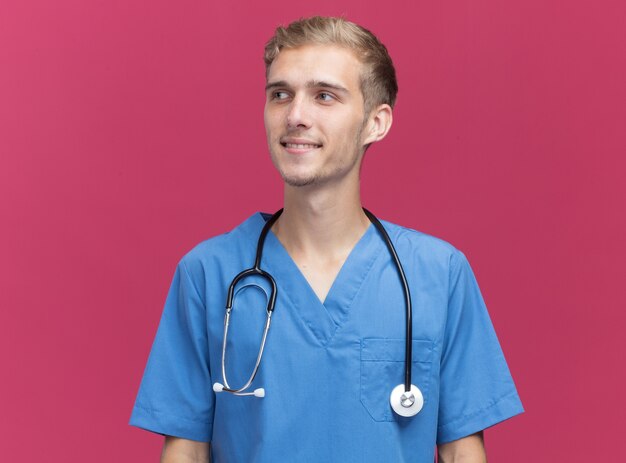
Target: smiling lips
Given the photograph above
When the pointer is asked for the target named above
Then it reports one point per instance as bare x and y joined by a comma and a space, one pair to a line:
299, 146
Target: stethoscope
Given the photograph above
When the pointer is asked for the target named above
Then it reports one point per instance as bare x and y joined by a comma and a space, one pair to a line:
406, 399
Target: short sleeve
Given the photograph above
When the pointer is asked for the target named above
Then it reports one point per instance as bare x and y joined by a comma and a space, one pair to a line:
476, 389
175, 396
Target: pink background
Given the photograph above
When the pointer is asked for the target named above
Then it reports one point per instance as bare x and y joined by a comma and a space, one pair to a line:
131, 130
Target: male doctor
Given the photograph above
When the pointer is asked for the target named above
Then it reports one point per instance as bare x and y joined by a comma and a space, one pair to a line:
336, 347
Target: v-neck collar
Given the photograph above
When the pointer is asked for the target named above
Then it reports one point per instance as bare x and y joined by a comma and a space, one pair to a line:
323, 319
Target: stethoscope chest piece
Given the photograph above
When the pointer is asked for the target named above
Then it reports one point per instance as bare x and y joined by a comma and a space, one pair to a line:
406, 403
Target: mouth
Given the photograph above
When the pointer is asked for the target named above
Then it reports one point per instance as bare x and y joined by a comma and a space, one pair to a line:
299, 146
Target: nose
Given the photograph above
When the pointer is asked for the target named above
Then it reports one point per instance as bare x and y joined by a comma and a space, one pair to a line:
298, 115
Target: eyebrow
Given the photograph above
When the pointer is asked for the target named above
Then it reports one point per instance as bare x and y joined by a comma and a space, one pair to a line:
309, 84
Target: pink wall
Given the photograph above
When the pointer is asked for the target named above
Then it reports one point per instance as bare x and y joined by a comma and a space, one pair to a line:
131, 130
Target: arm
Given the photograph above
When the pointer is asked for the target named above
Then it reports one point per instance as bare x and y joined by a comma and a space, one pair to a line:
177, 450
469, 449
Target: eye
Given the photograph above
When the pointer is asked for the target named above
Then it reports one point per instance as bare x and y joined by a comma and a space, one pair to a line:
324, 96
279, 95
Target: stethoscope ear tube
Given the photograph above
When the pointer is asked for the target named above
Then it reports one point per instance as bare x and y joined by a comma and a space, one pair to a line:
256, 270
218, 387
271, 303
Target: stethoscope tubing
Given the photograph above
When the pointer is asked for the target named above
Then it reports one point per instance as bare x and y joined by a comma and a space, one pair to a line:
408, 348
271, 303
256, 270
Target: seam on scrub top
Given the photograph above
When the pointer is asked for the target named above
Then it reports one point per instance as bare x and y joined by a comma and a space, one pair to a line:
157, 412
294, 303
356, 293
460, 257
451, 267
186, 270
206, 317
398, 361
478, 412
312, 330
425, 384
428, 343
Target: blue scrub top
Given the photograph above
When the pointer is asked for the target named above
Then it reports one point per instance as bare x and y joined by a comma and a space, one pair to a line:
328, 368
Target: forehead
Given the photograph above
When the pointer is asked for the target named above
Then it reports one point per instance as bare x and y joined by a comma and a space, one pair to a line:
327, 63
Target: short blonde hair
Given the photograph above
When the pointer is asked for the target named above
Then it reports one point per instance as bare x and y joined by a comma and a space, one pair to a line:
378, 79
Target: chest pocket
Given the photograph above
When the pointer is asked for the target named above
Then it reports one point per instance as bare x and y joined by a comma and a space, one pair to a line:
382, 369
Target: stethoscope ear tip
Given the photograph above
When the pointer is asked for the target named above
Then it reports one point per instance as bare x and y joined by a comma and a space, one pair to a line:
260, 392
217, 387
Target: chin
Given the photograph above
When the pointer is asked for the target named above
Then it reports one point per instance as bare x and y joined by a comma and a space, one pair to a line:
298, 177
298, 181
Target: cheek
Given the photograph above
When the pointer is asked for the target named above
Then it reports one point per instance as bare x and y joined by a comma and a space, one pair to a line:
272, 121
348, 133
266, 119
346, 123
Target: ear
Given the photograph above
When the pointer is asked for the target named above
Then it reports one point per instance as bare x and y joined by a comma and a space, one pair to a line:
378, 124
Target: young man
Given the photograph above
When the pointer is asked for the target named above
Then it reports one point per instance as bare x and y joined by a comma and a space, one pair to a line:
336, 348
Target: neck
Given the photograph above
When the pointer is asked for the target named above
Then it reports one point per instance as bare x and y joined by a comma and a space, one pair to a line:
325, 221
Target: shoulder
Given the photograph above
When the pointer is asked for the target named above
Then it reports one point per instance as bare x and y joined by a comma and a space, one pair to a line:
239, 241
423, 245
